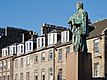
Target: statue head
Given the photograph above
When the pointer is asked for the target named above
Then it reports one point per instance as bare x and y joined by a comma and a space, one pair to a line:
79, 5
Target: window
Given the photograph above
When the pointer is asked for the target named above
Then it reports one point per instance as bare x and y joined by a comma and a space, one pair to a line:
67, 50
59, 74
53, 38
39, 42
36, 59
42, 42
43, 75
16, 76
60, 54
18, 49
4, 65
67, 36
96, 69
27, 46
16, 63
4, 78
8, 77
0, 65
30, 46
27, 76
27, 60
0, 78
50, 55
50, 74
36, 75
21, 62
21, 76
43, 56
63, 36
13, 50
3, 53
21, 48
6, 52
8, 64
49, 39
96, 46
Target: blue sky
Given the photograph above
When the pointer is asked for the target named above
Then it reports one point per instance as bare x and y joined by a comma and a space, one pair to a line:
30, 14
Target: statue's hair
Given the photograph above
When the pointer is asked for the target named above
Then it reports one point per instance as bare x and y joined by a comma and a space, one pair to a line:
80, 4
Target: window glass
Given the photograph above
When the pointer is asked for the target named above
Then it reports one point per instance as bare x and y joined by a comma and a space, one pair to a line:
21, 48
21, 62
96, 69
67, 50
16, 76
96, 46
60, 54
27, 76
27, 60
21, 76
53, 38
36, 58
8, 77
50, 74
43, 56
16, 63
30, 46
36, 75
59, 74
39, 42
50, 55
42, 42
13, 50
43, 75
67, 36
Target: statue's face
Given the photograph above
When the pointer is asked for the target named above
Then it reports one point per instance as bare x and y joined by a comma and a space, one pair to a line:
79, 6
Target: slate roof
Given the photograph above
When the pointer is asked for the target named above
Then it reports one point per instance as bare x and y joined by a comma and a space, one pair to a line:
99, 27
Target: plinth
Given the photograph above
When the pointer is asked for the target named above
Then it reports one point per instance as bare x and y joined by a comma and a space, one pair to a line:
79, 66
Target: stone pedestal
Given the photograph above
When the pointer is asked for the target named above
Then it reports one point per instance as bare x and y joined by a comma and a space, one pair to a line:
78, 66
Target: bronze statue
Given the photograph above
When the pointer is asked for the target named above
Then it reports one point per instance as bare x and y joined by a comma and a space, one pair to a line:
79, 28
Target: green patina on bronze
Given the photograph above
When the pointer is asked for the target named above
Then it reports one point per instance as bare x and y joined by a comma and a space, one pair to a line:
79, 28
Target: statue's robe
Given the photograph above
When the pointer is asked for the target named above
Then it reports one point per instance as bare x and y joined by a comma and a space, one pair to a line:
80, 30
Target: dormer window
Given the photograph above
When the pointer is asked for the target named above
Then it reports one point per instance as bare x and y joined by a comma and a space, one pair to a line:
28, 46
64, 36
40, 42
5, 51
20, 48
12, 49
52, 38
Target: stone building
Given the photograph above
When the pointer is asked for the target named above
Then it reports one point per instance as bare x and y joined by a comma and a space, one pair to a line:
11, 35
50, 56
